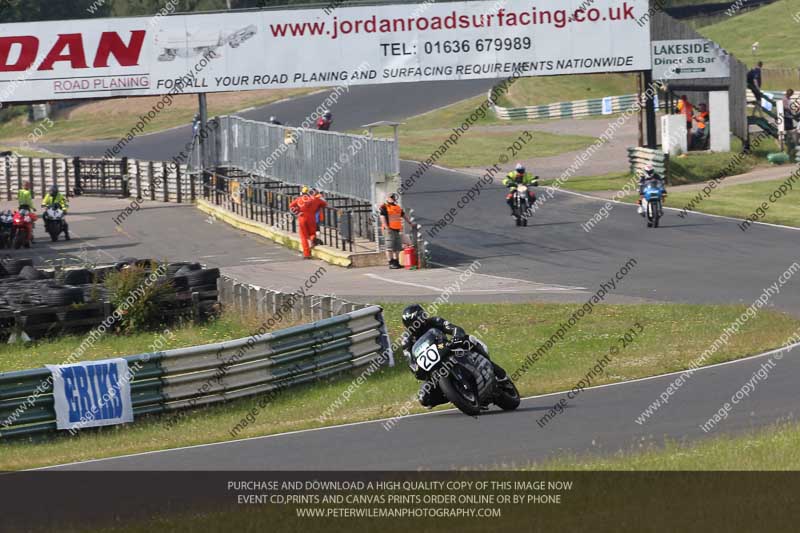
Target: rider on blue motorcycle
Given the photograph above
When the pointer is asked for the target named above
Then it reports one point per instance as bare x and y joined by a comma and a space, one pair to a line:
649, 174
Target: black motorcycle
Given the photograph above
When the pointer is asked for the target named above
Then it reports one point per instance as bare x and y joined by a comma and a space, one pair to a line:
465, 376
6, 229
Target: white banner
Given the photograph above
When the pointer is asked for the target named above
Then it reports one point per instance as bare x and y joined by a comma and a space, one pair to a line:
320, 47
92, 394
689, 58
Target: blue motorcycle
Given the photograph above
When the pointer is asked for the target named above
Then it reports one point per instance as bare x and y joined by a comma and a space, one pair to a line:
653, 202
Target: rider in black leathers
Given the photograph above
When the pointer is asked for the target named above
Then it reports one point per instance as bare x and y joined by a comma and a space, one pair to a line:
417, 323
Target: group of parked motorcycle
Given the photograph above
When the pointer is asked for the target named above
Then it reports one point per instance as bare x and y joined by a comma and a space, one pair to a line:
16, 229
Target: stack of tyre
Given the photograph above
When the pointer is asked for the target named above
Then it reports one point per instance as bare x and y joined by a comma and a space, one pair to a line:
192, 277
46, 305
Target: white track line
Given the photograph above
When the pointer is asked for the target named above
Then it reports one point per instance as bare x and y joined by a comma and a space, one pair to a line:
546, 288
398, 282
517, 280
350, 424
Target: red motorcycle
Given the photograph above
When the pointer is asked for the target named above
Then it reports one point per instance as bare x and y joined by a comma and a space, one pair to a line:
23, 228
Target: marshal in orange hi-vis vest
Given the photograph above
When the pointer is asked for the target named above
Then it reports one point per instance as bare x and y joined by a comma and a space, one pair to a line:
395, 217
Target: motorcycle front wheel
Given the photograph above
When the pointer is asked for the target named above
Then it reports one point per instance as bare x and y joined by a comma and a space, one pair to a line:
461, 390
656, 213
507, 396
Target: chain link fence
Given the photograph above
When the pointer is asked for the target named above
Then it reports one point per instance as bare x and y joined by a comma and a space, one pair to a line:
345, 164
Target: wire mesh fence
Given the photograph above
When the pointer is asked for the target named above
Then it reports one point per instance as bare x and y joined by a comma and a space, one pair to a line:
343, 164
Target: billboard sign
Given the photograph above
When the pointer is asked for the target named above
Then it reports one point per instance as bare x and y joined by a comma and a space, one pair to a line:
689, 59
271, 49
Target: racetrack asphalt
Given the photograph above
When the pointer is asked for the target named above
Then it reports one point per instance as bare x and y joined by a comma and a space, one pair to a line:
599, 421
697, 259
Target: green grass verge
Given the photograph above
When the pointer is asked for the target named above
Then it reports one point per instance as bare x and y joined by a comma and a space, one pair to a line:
550, 89
113, 119
773, 26
614, 181
740, 201
40, 353
695, 167
775, 448
673, 336
28, 152
482, 144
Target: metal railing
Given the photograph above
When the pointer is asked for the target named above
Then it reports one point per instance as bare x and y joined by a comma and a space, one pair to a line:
344, 221
213, 373
339, 163
152, 180
101, 177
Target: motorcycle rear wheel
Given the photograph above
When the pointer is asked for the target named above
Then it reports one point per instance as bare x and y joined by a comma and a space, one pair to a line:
461, 390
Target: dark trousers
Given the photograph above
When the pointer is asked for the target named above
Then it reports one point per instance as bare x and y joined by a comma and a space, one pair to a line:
756, 91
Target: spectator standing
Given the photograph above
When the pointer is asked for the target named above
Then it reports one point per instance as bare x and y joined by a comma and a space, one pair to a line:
754, 82
687, 110
789, 113
392, 216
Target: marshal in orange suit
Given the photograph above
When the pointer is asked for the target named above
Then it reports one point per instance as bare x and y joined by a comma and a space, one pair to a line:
306, 207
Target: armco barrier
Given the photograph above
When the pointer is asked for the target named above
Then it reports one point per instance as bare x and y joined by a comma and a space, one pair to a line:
640, 157
561, 110
213, 373
252, 300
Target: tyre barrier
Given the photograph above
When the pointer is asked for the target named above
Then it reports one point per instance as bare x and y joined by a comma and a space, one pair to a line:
213, 373
34, 304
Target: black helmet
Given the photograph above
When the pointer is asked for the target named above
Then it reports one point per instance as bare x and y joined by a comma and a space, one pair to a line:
413, 317
53, 190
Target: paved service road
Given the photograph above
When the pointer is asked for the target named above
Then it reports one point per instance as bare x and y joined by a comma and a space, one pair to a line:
599, 421
698, 259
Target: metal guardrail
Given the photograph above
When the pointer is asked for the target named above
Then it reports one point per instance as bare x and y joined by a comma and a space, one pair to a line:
251, 300
344, 221
640, 157
344, 164
213, 373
